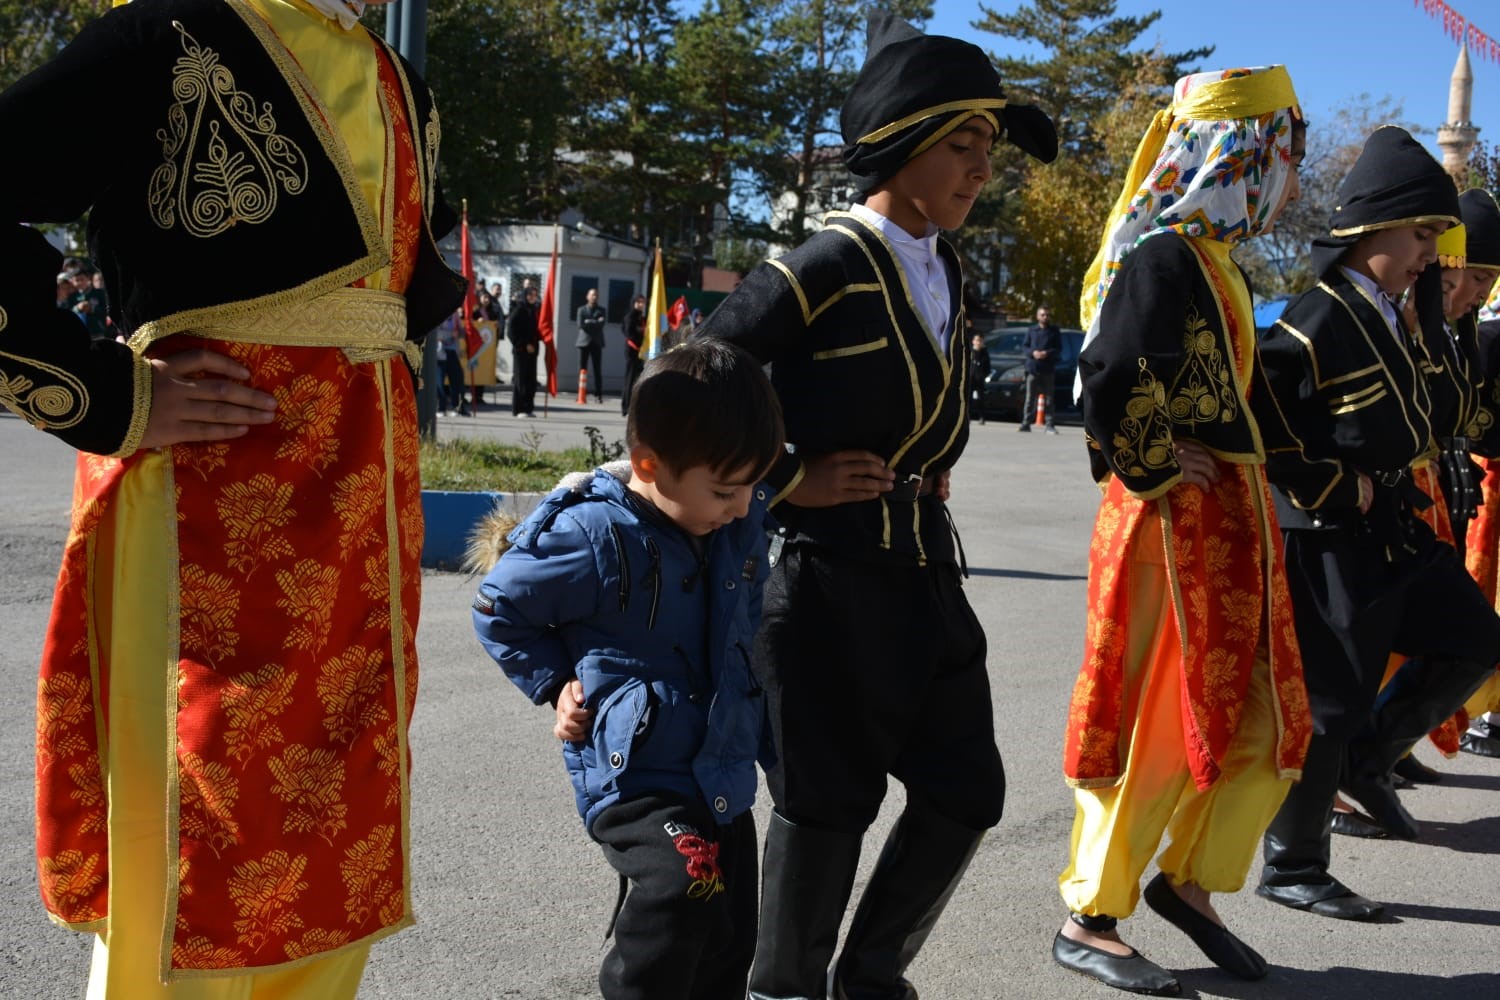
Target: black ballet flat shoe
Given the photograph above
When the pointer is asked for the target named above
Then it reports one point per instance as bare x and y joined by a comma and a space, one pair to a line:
1134, 973
1416, 772
1353, 824
1218, 943
1483, 746
1348, 905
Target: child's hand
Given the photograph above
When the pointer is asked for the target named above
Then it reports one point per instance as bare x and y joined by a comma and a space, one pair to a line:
572, 725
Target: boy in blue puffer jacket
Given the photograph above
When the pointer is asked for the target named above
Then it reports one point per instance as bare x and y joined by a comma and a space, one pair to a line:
629, 600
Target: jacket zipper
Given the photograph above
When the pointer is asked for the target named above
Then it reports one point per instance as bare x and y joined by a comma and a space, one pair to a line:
614, 530
654, 573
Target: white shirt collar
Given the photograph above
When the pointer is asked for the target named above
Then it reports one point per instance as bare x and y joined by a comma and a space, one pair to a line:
1387, 305
345, 12
894, 233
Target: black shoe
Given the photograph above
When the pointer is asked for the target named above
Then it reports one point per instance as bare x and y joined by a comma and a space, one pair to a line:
1416, 772
1346, 904
1484, 746
1134, 972
1024, 428
1381, 804
1353, 824
1218, 943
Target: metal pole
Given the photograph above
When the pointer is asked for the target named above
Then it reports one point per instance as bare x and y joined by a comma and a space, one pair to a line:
406, 30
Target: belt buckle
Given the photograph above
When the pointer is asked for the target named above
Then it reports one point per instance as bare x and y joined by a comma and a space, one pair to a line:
907, 489
1390, 479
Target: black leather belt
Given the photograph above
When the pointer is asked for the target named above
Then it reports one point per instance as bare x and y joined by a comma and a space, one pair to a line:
909, 489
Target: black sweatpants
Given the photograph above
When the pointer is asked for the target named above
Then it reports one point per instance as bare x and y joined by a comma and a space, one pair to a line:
686, 928
874, 670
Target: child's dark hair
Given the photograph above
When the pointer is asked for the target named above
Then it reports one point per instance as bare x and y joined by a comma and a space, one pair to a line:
709, 403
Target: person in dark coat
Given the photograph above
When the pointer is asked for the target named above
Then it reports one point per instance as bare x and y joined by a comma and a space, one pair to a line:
525, 341
1042, 347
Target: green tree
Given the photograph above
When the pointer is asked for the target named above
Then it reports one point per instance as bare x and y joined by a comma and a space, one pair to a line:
31, 33
1038, 226
1278, 263
818, 46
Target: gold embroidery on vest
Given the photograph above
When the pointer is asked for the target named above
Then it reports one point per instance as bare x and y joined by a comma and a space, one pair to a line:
1203, 391
225, 161
1143, 440
52, 407
432, 135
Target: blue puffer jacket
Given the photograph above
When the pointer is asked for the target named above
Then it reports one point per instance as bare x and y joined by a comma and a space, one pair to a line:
659, 638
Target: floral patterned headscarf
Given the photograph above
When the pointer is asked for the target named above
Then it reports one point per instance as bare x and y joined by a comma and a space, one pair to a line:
1213, 165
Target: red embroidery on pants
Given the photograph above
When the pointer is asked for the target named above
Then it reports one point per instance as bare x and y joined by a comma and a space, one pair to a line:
702, 865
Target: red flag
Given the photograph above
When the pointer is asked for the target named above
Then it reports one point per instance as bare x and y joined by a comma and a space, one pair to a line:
678, 312
544, 320
473, 343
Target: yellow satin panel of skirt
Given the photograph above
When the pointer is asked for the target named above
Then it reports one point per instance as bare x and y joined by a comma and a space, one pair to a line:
135, 574
1214, 834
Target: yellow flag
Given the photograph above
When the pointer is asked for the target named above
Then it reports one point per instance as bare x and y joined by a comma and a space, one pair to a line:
656, 312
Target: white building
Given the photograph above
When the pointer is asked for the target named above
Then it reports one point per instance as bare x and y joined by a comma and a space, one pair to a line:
507, 255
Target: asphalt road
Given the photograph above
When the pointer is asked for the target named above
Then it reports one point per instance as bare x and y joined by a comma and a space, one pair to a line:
512, 899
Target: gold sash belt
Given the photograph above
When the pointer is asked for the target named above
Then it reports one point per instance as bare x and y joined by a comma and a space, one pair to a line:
365, 323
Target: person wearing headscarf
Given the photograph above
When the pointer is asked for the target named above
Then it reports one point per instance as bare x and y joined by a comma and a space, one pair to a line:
872, 660
230, 667
1352, 411
1188, 717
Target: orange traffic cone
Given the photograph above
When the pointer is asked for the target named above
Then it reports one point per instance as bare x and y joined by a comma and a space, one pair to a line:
583, 386
1041, 408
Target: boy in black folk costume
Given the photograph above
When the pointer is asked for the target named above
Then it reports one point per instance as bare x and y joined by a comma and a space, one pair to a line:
1346, 415
863, 326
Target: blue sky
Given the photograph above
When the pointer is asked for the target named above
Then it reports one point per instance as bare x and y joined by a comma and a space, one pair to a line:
1334, 49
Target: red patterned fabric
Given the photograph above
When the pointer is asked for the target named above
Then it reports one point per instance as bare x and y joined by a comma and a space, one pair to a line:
298, 589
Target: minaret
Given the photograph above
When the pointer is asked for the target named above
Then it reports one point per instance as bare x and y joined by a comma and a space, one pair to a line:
1457, 136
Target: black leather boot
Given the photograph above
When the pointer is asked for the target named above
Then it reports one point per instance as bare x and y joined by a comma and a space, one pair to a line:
1423, 693
807, 876
1296, 845
924, 857
1421, 696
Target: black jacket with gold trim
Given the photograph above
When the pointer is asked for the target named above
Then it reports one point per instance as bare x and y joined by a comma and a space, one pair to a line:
856, 368
1162, 368
213, 187
1345, 395
1485, 433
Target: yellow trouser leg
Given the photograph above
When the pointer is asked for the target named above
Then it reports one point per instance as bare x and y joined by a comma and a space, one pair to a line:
132, 574
1486, 699
1116, 830
1216, 833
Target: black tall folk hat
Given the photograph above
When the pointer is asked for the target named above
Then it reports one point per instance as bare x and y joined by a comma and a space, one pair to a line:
914, 89
1395, 182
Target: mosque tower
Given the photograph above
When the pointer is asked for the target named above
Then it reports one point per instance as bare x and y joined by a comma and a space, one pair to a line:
1457, 136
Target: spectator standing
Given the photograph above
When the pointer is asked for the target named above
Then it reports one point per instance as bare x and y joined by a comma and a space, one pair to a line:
1042, 347
590, 343
521, 328
633, 326
979, 373
90, 303
451, 368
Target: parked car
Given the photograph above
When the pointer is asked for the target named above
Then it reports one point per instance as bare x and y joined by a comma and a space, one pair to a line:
1005, 388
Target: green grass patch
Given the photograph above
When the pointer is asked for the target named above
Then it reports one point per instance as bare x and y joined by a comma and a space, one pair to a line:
476, 464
